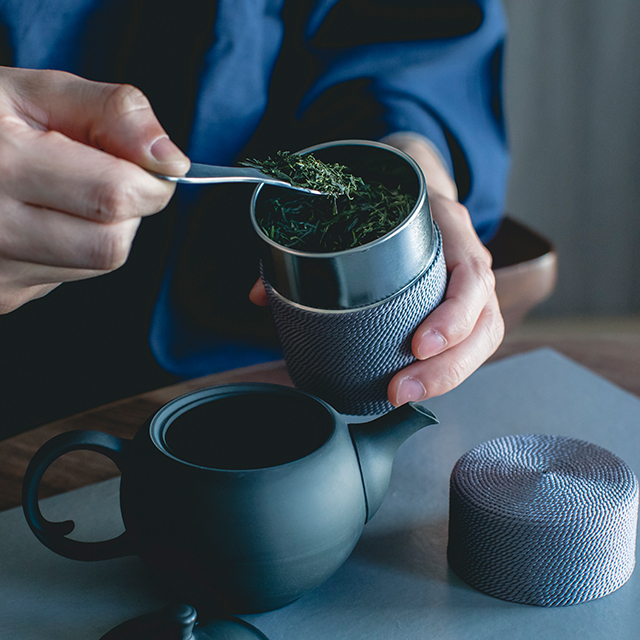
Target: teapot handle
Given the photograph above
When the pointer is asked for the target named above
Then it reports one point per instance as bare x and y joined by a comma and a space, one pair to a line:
52, 534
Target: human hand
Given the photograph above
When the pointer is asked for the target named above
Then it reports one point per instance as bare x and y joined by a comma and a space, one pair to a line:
467, 326
73, 185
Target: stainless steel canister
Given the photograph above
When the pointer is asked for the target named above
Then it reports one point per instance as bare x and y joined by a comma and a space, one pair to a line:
345, 319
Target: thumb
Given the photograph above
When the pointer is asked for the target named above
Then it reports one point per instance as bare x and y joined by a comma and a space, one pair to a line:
113, 117
258, 295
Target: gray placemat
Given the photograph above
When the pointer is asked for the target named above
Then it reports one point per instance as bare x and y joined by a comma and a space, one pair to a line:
396, 584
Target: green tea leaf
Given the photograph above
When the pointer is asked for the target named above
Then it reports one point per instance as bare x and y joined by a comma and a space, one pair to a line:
309, 172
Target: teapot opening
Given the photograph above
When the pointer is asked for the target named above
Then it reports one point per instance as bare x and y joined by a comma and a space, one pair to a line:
248, 431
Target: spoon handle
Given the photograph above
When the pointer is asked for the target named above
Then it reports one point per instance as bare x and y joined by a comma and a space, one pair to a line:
211, 174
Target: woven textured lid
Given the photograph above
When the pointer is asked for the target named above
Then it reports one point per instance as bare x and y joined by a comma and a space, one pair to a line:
541, 519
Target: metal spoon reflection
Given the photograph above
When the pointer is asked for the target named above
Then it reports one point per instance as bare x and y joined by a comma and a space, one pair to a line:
212, 174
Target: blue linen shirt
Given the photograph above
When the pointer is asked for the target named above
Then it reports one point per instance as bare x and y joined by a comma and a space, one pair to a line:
237, 78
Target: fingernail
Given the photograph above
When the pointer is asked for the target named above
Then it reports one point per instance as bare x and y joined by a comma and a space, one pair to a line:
432, 342
164, 151
410, 389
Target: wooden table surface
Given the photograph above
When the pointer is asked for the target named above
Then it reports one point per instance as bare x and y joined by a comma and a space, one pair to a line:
614, 356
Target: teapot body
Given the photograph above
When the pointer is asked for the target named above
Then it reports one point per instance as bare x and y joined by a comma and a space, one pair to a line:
244, 495
253, 539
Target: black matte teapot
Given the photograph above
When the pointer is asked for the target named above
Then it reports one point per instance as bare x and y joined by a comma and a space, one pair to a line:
249, 495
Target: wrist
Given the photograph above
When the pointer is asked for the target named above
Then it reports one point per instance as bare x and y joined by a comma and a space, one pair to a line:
429, 159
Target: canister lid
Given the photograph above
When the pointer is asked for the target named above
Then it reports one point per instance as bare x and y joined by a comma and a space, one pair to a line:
179, 622
542, 519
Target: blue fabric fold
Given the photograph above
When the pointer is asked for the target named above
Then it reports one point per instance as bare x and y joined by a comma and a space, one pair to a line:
429, 67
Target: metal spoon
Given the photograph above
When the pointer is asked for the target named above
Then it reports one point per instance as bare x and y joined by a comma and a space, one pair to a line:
211, 174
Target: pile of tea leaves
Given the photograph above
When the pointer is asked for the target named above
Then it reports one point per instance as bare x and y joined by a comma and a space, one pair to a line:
309, 172
352, 214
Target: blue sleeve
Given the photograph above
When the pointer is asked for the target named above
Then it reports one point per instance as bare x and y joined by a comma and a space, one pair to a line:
429, 67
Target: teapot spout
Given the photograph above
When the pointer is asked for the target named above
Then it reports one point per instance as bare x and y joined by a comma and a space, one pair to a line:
376, 443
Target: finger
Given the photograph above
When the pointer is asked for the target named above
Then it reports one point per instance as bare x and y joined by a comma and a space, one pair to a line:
459, 239
258, 295
471, 283
116, 118
25, 277
437, 375
50, 238
51, 170
10, 300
